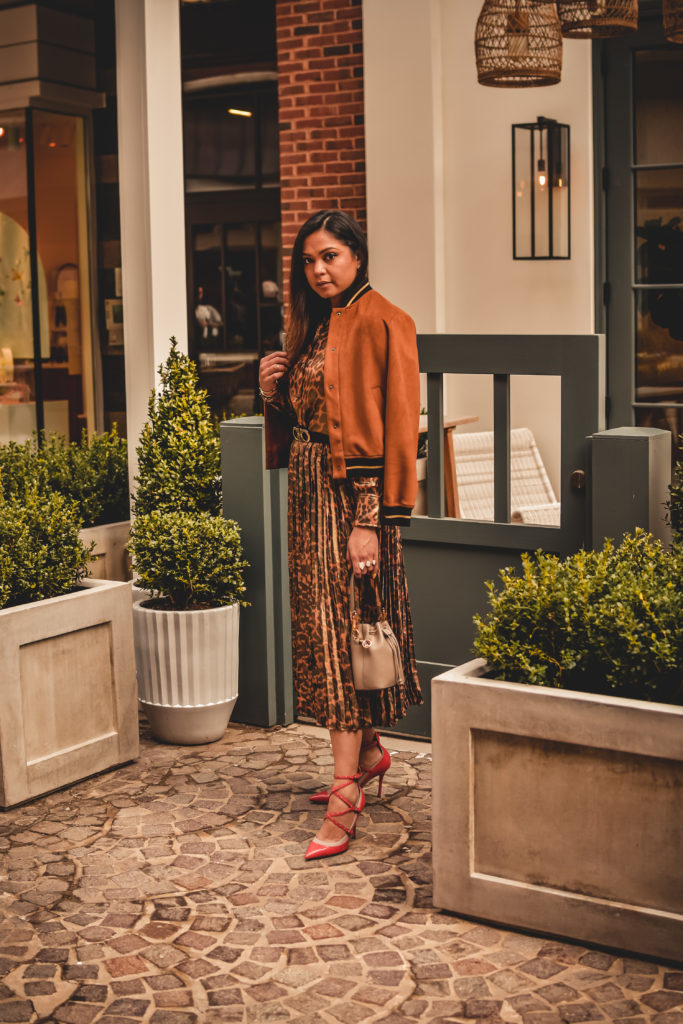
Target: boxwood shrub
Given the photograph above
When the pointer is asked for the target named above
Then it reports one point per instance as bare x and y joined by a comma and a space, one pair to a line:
674, 506
189, 560
93, 474
179, 451
607, 621
41, 554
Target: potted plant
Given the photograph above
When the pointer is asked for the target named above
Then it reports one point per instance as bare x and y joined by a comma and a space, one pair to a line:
188, 560
558, 754
67, 683
94, 475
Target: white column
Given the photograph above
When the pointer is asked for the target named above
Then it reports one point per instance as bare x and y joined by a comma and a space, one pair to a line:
151, 193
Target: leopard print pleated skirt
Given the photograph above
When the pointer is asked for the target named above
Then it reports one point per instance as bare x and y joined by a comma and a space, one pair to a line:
321, 514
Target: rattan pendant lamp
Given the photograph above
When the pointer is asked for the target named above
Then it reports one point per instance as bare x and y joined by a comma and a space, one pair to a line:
518, 44
597, 19
672, 12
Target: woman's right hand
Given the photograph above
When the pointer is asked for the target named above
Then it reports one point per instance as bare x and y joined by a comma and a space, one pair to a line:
271, 368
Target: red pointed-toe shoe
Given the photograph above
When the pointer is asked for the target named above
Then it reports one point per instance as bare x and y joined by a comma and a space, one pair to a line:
318, 848
366, 774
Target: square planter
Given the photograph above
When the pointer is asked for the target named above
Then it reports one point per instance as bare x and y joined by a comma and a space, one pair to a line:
67, 689
110, 555
559, 812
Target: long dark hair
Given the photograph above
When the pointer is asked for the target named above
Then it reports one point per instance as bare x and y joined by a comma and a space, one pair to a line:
306, 308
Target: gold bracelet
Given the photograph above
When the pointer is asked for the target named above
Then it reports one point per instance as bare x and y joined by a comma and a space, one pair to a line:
269, 395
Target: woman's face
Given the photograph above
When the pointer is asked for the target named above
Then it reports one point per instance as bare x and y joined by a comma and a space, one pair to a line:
330, 265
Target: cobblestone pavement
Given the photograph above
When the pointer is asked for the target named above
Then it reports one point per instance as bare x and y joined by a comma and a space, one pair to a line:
174, 891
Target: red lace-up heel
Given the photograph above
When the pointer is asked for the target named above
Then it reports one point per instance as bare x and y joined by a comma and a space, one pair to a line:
365, 774
380, 769
318, 848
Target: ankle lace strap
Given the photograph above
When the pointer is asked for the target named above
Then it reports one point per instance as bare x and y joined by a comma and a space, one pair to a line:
374, 742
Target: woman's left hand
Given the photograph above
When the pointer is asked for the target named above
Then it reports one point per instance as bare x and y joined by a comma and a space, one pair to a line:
362, 551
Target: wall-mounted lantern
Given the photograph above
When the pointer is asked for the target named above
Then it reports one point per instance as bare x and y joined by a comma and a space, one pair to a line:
540, 190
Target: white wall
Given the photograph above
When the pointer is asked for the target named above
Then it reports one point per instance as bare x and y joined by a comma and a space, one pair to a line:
438, 148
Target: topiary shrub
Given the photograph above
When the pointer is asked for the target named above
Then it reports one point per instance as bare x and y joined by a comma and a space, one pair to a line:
674, 506
93, 474
607, 621
188, 560
179, 449
41, 555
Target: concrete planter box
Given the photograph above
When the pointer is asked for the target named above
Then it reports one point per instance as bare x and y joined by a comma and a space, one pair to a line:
187, 665
559, 812
110, 554
67, 689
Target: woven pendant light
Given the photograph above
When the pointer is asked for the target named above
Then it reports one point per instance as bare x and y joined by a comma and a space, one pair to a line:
518, 44
672, 13
597, 19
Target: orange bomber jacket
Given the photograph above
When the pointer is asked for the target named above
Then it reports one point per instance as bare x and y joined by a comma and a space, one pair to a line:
372, 400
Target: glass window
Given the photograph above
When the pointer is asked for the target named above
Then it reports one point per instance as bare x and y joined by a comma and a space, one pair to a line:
271, 287
659, 220
659, 345
658, 102
220, 140
17, 369
207, 260
62, 246
231, 139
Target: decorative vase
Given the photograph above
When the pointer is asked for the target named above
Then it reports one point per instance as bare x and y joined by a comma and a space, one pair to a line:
187, 666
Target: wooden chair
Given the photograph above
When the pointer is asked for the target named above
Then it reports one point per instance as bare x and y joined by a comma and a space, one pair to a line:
450, 479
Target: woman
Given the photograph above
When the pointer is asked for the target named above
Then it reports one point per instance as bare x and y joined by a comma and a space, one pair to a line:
349, 378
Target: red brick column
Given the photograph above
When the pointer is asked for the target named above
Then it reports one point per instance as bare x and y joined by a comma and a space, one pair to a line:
322, 139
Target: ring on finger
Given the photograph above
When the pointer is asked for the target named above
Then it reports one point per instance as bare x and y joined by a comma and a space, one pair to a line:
361, 565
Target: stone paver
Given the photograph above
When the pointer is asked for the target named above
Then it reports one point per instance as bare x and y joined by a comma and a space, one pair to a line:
174, 891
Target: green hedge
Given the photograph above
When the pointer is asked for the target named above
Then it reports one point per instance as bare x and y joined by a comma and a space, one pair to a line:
93, 474
674, 506
41, 555
607, 621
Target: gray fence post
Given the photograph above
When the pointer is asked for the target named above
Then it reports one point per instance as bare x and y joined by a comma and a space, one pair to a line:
631, 473
256, 498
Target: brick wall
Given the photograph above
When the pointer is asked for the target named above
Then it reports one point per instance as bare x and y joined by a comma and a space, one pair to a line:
322, 139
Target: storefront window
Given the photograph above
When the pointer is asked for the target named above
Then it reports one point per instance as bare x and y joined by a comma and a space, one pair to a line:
43, 191
17, 375
62, 243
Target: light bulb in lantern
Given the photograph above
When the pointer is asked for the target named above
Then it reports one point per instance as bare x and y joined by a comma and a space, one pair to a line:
542, 176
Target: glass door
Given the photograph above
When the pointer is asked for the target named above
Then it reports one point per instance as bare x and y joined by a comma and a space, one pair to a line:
643, 178
658, 205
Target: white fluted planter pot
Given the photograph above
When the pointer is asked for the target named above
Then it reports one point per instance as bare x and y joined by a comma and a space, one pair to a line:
187, 666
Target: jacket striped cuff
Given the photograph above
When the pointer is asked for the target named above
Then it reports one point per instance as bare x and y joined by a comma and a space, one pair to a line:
357, 463
396, 515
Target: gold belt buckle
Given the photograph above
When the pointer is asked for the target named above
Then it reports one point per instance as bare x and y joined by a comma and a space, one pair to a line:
301, 434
